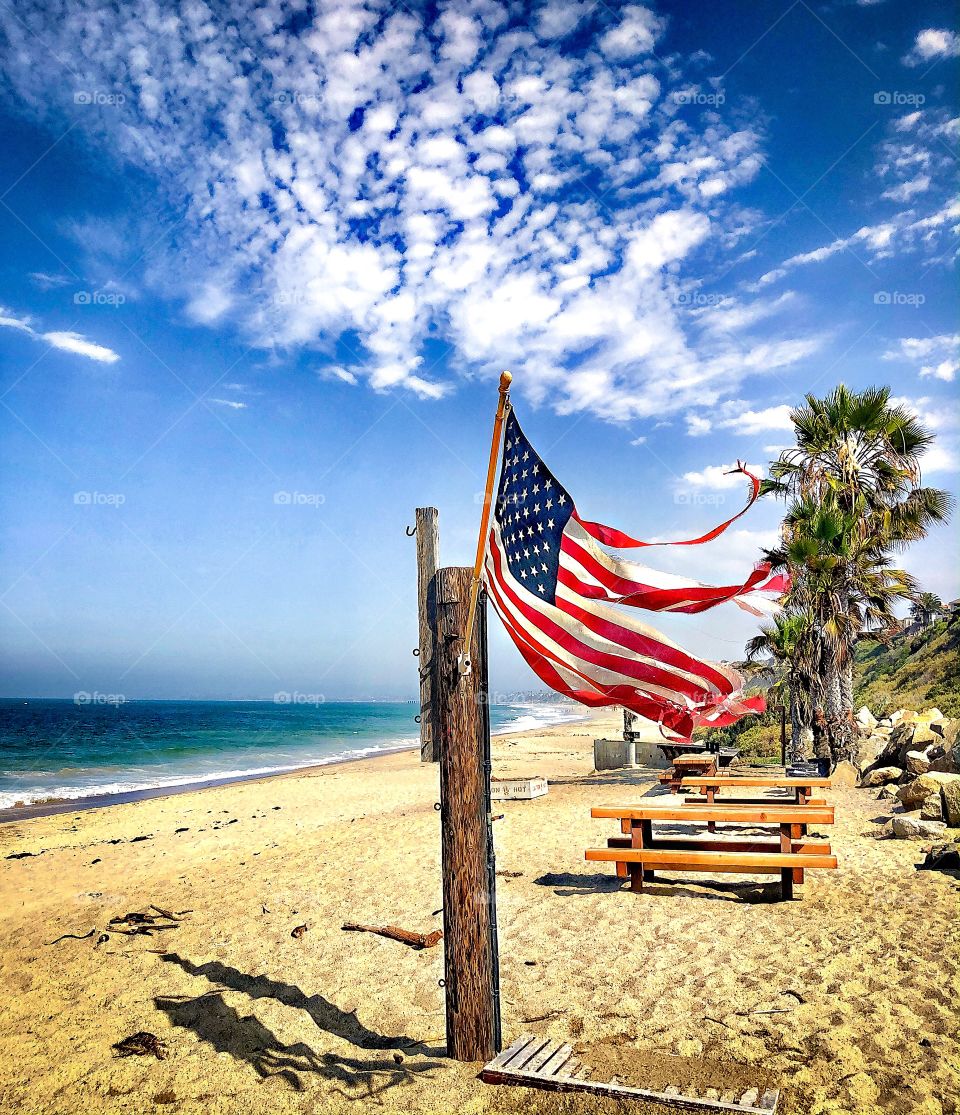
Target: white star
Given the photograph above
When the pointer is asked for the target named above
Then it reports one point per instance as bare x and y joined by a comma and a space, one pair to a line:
540, 527
543, 566
536, 469
529, 532
541, 588
536, 549
523, 475
548, 483
526, 456
536, 509
550, 524
561, 499
523, 574
549, 504
536, 488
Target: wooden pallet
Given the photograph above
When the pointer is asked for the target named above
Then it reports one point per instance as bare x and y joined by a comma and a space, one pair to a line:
534, 1062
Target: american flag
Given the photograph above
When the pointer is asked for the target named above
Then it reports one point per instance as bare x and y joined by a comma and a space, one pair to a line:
552, 582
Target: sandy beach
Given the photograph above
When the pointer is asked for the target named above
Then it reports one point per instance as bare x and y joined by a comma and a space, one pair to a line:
860, 972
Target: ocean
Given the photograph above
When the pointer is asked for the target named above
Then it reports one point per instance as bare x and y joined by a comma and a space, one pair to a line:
54, 750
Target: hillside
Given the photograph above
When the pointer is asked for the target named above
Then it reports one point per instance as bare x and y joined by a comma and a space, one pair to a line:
916, 672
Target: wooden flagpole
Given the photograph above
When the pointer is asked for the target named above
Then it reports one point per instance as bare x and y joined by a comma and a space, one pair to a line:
463, 662
461, 742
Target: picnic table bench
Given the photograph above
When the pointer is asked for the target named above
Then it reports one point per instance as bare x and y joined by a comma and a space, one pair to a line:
683, 765
708, 785
641, 852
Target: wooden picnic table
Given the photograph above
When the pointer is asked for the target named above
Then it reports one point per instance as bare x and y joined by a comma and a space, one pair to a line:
709, 784
641, 852
699, 765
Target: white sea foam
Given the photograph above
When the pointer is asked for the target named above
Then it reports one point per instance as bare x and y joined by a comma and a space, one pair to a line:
139, 779
538, 716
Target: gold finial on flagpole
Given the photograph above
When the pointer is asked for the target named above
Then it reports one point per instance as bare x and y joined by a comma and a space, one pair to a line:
463, 661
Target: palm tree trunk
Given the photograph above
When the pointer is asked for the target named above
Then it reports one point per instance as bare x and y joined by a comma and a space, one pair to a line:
796, 738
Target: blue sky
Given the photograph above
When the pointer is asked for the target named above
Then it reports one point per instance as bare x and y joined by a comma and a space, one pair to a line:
263, 264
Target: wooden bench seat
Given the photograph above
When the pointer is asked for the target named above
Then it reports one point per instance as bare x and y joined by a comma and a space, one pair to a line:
758, 813
699, 799
760, 844
641, 863
754, 780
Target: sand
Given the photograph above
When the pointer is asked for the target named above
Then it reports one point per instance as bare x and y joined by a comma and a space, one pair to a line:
862, 968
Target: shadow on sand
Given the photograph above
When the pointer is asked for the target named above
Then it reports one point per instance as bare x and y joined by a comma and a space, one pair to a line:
246, 1038
568, 884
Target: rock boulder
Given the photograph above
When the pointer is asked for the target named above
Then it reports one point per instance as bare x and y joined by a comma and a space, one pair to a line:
932, 808
950, 793
866, 719
844, 774
880, 776
911, 794
915, 828
916, 762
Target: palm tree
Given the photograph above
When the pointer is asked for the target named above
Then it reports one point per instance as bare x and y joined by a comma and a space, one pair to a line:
924, 607
788, 640
854, 482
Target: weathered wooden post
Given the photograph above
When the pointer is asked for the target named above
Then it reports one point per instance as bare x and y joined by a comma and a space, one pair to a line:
428, 561
462, 735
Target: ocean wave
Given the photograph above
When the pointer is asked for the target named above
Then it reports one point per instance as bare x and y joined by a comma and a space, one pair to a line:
537, 716
132, 785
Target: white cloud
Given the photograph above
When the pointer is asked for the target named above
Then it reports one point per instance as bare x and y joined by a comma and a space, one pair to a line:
935, 356
77, 343
8, 320
65, 341
234, 404
906, 190
757, 421
718, 478
338, 372
327, 204
931, 45
697, 425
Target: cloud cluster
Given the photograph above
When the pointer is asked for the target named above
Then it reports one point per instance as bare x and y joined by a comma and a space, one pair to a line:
931, 45
936, 356
916, 167
522, 190
66, 341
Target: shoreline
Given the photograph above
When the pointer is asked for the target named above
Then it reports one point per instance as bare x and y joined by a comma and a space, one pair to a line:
31, 810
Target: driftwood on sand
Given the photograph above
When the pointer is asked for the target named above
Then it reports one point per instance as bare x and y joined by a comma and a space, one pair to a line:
395, 933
